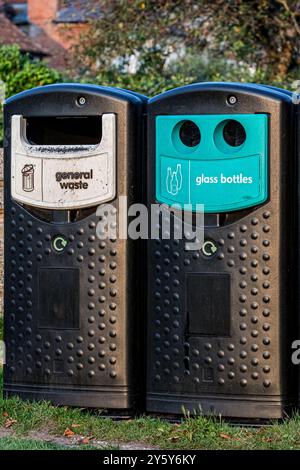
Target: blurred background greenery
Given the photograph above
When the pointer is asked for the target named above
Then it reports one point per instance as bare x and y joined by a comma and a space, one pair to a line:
151, 46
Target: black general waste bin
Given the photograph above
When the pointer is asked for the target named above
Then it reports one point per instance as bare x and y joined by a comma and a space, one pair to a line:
72, 299
220, 318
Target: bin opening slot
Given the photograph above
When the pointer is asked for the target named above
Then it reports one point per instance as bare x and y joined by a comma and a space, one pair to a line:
64, 130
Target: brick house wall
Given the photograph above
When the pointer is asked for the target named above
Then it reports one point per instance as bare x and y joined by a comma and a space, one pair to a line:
44, 15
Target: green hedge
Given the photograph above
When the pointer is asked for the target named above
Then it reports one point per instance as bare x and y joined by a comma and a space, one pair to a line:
18, 72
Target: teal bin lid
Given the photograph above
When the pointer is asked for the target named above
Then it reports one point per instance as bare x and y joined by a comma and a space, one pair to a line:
222, 177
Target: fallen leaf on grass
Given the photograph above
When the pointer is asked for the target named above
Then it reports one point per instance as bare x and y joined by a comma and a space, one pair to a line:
68, 433
9, 423
174, 438
5, 414
74, 425
225, 436
86, 440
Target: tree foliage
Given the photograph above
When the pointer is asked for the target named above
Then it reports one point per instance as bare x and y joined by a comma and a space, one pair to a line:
261, 33
154, 45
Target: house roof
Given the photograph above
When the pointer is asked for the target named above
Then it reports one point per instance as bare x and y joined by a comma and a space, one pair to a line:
11, 34
77, 11
58, 57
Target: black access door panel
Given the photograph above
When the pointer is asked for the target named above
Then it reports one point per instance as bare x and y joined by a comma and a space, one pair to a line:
208, 304
58, 302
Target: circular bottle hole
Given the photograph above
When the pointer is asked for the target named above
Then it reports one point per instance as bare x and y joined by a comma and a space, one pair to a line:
189, 134
234, 133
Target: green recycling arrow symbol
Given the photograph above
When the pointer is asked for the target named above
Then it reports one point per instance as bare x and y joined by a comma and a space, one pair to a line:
209, 248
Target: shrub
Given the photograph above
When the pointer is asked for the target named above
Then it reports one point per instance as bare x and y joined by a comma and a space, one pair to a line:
18, 72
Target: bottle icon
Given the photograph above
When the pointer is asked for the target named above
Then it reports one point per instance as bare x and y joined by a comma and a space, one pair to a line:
179, 176
168, 180
174, 183
174, 180
28, 178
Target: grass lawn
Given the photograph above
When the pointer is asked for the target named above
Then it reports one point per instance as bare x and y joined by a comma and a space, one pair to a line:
13, 443
23, 418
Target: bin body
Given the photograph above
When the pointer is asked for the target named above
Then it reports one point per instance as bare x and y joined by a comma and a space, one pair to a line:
220, 318
72, 305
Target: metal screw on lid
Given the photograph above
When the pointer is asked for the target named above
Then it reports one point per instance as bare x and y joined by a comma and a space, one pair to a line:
232, 99
81, 100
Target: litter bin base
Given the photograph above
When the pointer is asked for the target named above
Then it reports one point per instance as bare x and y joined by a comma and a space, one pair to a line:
228, 406
100, 397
